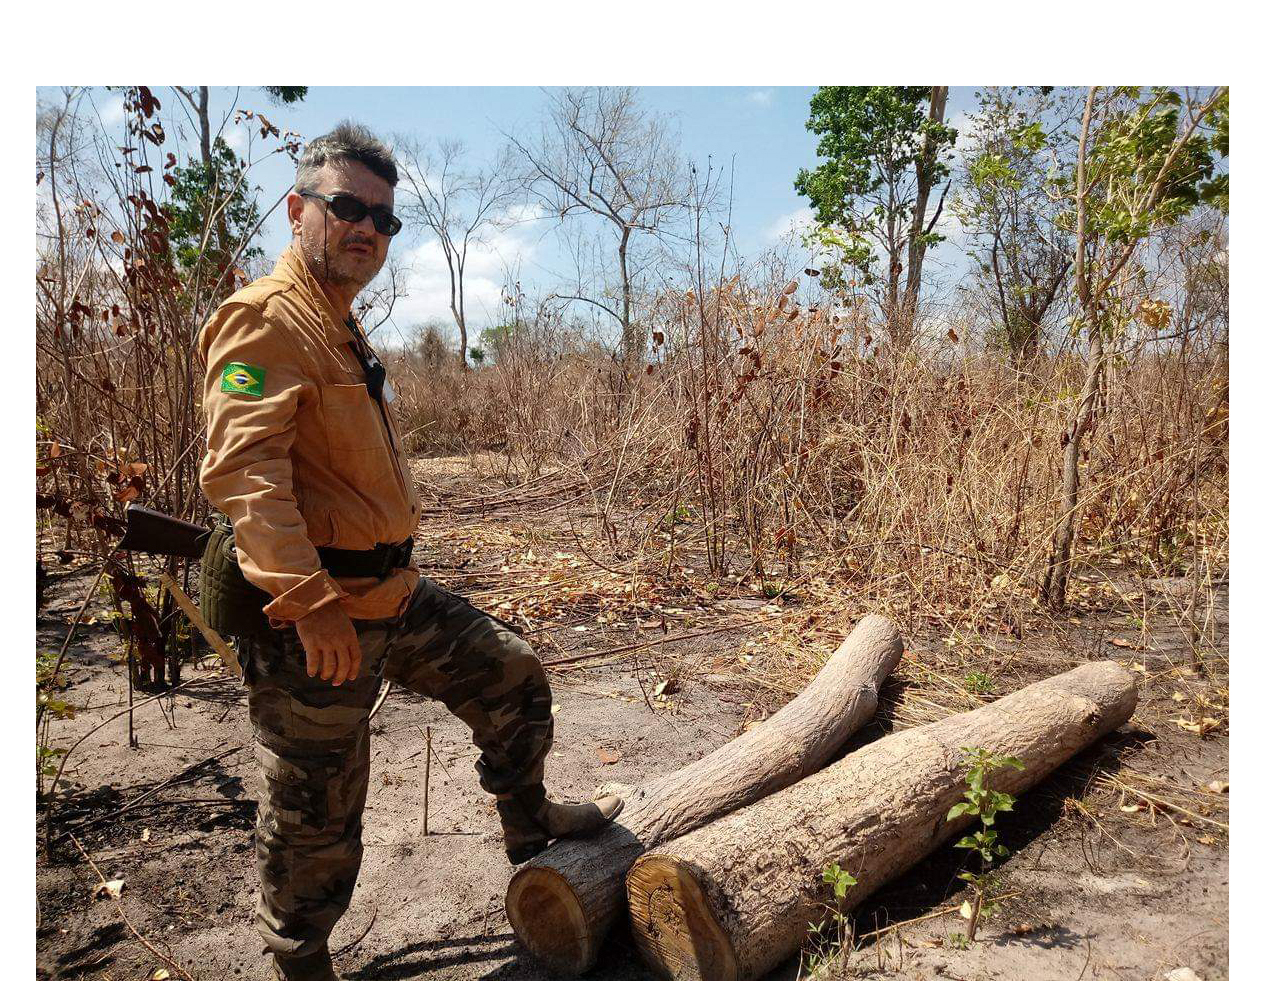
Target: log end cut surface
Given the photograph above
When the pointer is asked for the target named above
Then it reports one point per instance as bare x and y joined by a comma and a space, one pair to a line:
547, 916
677, 935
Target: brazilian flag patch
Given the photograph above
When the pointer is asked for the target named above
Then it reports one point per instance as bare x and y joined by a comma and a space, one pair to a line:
243, 379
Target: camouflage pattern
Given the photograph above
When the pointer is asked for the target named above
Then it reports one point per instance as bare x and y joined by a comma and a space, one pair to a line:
312, 744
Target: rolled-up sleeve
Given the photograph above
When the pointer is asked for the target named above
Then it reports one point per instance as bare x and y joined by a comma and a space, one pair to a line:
247, 473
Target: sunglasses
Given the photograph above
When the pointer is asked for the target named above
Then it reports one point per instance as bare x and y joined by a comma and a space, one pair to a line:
352, 210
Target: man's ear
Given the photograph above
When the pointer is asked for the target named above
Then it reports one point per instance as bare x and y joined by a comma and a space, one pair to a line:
294, 211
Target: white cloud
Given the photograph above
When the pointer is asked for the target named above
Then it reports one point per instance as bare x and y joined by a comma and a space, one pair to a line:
761, 97
794, 223
427, 282
236, 136
111, 111
966, 130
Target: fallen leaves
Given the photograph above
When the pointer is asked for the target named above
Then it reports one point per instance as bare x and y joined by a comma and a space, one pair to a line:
608, 756
1204, 725
113, 889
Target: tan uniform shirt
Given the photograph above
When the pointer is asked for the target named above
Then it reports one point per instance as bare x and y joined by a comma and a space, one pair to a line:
299, 454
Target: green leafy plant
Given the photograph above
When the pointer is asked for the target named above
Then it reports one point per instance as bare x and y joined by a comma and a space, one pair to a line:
831, 938
773, 588
978, 683
985, 803
47, 702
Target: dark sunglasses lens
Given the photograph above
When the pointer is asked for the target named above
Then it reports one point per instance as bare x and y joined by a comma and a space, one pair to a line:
348, 209
386, 223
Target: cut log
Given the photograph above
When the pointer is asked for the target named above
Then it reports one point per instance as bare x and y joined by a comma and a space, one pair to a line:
730, 901
563, 902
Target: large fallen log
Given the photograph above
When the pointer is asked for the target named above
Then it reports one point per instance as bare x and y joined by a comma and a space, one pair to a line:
730, 901
563, 902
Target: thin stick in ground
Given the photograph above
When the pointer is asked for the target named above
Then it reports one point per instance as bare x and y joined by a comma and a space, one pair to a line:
426, 788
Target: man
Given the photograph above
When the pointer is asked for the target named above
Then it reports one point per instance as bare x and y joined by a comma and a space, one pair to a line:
304, 459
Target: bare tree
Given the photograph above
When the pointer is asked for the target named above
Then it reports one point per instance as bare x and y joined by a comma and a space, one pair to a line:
1022, 253
374, 305
597, 154
458, 205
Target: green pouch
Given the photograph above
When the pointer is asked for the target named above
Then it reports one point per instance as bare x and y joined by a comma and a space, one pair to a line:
231, 604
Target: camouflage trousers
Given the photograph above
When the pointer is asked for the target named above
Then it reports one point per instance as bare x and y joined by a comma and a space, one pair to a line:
312, 744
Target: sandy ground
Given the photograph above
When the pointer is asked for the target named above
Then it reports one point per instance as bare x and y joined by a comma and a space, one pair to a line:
1098, 892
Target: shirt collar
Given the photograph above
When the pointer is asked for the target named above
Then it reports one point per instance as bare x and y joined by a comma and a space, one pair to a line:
293, 269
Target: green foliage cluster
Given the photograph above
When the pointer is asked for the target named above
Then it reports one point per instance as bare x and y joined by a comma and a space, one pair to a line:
871, 137
212, 202
286, 94
1126, 158
1022, 255
48, 701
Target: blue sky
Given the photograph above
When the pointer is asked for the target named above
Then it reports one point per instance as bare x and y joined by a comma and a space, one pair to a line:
759, 132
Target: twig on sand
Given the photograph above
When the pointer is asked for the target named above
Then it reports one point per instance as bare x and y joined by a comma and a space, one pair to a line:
382, 697
174, 965
170, 781
346, 947
629, 648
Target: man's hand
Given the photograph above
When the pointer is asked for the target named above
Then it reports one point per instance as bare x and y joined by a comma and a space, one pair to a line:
329, 639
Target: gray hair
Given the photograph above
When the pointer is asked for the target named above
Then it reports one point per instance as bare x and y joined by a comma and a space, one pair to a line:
346, 141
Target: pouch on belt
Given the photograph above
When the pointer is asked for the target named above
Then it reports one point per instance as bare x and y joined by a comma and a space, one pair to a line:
231, 603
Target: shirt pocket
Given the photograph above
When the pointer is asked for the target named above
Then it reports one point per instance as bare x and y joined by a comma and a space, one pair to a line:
352, 419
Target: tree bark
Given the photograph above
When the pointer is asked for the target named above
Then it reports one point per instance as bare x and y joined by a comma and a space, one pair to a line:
204, 125
632, 340
925, 169
1054, 585
563, 902
1058, 567
735, 898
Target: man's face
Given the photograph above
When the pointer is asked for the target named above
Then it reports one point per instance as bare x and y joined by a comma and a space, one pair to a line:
340, 253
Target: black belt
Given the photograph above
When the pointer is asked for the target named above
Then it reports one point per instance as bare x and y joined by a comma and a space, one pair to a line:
378, 562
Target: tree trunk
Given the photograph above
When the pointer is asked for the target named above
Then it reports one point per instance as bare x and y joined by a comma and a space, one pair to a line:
633, 343
735, 898
204, 125
562, 903
925, 168
1054, 585
457, 279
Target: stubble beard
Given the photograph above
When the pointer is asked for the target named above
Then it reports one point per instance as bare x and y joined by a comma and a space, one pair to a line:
336, 268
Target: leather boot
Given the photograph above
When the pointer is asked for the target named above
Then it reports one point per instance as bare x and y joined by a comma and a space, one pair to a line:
530, 820
312, 967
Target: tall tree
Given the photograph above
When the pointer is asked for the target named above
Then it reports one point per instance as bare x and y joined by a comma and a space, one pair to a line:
599, 155
458, 205
1022, 255
885, 151
194, 197
1143, 161
211, 191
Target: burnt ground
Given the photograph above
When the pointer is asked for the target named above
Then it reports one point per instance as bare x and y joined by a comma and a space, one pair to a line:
1120, 860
